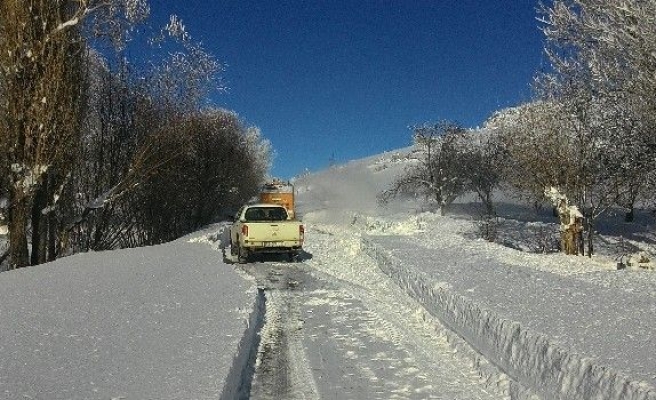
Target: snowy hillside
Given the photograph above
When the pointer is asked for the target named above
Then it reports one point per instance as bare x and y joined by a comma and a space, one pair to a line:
523, 234
559, 326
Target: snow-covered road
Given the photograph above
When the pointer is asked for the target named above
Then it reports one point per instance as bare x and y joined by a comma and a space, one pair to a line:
330, 333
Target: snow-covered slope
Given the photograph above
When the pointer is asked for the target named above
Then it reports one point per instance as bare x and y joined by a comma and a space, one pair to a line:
561, 327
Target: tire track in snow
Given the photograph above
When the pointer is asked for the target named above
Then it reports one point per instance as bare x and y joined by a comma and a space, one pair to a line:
443, 359
281, 370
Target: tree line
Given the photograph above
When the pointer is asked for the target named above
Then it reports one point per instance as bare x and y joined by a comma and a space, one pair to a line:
589, 134
103, 151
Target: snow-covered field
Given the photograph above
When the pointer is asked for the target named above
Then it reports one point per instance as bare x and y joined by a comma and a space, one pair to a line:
398, 302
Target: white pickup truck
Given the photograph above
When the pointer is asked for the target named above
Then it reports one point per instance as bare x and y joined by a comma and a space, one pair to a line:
265, 228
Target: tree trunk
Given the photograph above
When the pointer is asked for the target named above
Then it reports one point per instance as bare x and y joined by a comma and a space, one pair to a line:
36, 232
489, 204
590, 239
43, 240
629, 216
18, 217
52, 237
580, 243
39, 226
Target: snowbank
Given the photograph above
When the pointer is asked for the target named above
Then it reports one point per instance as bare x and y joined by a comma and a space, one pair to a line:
168, 321
239, 379
539, 365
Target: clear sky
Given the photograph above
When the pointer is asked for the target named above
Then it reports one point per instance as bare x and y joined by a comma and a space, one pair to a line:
336, 80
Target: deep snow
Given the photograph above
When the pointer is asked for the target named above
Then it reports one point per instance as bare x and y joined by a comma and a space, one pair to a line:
176, 322
161, 322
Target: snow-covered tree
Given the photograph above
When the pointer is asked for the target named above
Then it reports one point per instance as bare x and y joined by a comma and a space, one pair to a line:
41, 61
614, 41
438, 175
603, 57
182, 72
553, 144
84, 131
537, 155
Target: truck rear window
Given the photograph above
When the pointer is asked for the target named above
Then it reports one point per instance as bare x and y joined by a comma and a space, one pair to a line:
266, 214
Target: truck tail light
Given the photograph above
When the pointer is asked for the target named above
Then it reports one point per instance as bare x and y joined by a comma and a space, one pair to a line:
301, 233
244, 230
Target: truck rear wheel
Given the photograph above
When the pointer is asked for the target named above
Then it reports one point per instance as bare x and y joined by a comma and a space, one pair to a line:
292, 256
242, 255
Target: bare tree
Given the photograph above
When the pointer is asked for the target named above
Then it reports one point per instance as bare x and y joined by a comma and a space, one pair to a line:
615, 40
39, 64
118, 151
95, 143
482, 163
609, 50
437, 175
538, 154
553, 144
218, 170
41, 49
84, 199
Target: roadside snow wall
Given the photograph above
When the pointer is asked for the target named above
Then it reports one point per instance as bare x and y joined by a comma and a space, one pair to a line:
537, 367
238, 383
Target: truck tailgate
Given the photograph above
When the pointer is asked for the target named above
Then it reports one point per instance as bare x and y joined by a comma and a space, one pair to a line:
273, 232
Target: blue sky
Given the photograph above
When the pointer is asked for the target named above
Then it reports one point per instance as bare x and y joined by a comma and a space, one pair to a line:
331, 81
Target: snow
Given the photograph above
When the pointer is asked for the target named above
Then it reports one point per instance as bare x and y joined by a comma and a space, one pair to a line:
157, 322
559, 326
392, 286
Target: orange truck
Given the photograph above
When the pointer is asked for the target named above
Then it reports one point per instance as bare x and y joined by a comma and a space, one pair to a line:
281, 193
